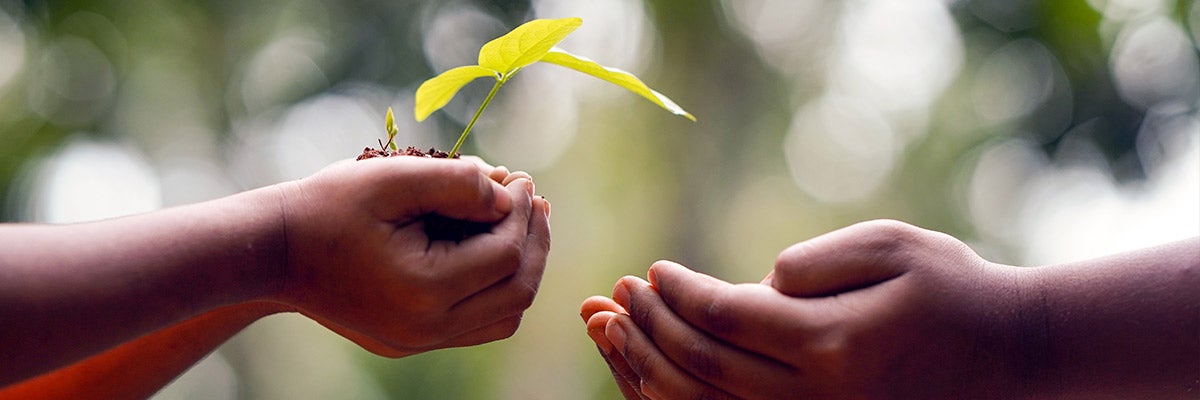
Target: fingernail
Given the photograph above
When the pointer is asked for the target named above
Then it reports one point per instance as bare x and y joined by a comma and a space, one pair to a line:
528, 186
652, 274
615, 334
602, 343
547, 207
621, 294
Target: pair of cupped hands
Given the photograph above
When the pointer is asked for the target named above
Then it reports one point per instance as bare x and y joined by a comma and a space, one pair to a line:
879, 309
823, 320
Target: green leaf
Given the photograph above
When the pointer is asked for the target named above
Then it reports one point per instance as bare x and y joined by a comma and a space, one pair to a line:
434, 93
390, 125
525, 45
620, 78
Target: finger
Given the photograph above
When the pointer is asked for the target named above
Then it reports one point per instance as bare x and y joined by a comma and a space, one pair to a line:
483, 166
499, 174
497, 330
733, 370
660, 378
595, 304
545, 204
501, 329
478, 262
516, 175
627, 389
851, 258
627, 381
409, 187
516, 292
753, 317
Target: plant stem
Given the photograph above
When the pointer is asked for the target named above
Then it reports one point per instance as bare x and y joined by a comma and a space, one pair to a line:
462, 138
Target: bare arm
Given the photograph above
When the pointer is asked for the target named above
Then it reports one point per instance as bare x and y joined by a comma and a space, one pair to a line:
69, 291
1124, 326
139, 368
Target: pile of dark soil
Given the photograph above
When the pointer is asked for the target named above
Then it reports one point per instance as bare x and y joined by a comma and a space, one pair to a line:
410, 151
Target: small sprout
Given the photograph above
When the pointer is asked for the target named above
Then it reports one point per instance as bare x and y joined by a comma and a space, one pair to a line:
390, 125
503, 57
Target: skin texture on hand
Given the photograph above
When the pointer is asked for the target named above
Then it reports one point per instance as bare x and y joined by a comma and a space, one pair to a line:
165, 288
409, 294
887, 310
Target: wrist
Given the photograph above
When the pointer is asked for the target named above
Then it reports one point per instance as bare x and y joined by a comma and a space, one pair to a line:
1123, 325
269, 268
253, 232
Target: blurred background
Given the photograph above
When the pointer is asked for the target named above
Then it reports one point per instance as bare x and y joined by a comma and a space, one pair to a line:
1038, 132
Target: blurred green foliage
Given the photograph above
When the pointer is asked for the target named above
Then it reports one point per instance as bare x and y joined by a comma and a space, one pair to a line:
629, 183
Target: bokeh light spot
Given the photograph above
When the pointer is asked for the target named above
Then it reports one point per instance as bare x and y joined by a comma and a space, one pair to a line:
1155, 62
89, 180
839, 149
1013, 81
12, 49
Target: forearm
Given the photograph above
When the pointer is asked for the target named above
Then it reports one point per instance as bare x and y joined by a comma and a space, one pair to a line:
138, 369
70, 291
1126, 326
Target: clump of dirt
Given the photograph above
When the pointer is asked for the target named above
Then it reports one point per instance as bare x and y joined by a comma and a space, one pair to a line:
410, 151
437, 227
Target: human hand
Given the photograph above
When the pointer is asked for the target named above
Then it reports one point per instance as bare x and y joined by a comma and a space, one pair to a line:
877, 310
359, 261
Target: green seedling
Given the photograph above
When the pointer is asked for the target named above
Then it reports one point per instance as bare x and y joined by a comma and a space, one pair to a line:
389, 124
503, 57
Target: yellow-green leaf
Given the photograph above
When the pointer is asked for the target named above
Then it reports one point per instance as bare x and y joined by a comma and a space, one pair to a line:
390, 125
389, 122
526, 44
434, 93
620, 78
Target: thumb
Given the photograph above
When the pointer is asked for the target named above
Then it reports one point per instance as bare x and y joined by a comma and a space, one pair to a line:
847, 259
451, 188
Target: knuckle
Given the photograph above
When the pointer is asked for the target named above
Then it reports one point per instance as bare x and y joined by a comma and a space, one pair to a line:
638, 362
719, 315
833, 356
888, 228
642, 317
509, 254
886, 238
525, 294
701, 360
462, 170
786, 263
901, 241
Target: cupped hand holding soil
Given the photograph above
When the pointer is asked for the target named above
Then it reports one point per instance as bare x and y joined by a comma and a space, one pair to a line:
361, 262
